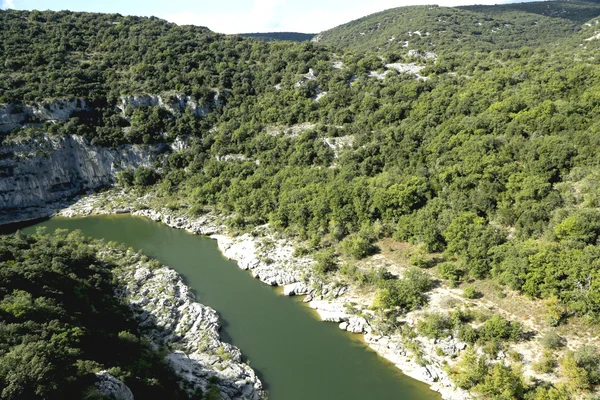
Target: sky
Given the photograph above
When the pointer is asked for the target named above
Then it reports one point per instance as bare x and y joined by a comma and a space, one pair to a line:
240, 16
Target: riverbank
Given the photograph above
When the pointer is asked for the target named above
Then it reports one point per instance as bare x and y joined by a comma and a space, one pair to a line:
270, 258
171, 319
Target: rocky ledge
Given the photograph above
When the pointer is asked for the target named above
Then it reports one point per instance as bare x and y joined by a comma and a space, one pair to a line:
171, 318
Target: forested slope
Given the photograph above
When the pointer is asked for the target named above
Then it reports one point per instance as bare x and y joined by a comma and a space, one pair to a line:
276, 36
462, 29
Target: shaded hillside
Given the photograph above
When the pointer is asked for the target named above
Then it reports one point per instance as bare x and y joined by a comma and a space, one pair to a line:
477, 28
276, 36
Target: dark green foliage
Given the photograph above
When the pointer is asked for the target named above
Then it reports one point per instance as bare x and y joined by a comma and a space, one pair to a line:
356, 246
434, 325
276, 36
471, 28
60, 323
144, 177
498, 328
325, 261
406, 293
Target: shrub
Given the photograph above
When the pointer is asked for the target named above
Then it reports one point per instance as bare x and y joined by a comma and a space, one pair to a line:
144, 177
469, 292
581, 368
434, 325
502, 382
546, 364
125, 178
356, 246
492, 348
468, 334
551, 340
406, 293
450, 271
515, 356
500, 329
325, 261
470, 370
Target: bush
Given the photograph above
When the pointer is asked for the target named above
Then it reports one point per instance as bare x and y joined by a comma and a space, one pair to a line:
498, 328
468, 334
144, 177
434, 325
546, 364
502, 382
325, 261
450, 271
492, 348
406, 293
515, 356
551, 340
125, 178
470, 370
469, 292
356, 246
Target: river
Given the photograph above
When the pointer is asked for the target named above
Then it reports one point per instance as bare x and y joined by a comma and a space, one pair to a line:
296, 356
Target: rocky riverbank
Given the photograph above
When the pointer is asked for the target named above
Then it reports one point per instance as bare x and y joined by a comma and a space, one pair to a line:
271, 259
171, 318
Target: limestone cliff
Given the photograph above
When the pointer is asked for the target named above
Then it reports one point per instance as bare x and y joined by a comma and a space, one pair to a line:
37, 171
16, 115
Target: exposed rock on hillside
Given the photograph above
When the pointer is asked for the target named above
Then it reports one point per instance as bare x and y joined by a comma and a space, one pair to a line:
42, 170
112, 387
14, 115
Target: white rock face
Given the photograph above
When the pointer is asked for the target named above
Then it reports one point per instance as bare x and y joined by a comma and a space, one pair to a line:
168, 314
13, 116
112, 387
174, 103
38, 171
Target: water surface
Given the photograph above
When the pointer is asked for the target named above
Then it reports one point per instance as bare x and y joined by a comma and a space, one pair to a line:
296, 356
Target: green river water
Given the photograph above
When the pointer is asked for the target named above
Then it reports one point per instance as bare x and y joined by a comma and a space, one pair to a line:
296, 356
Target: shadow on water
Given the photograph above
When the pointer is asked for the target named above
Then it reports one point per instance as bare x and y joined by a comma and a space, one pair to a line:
11, 228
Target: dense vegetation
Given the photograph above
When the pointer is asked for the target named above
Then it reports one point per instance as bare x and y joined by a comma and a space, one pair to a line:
276, 36
463, 29
60, 323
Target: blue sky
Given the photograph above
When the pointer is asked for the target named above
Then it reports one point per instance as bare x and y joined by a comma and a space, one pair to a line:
238, 16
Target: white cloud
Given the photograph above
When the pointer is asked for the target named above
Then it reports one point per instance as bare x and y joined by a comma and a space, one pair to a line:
8, 4
295, 16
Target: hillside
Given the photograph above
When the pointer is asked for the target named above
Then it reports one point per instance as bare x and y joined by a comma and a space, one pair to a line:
276, 36
446, 30
484, 165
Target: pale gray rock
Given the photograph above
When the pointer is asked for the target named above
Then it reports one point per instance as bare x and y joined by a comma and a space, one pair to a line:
168, 315
112, 387
35, 172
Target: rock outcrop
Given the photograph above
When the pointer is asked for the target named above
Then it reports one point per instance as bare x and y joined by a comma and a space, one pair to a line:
170, 317
15, 115
37, 171
112, 387
174, 103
